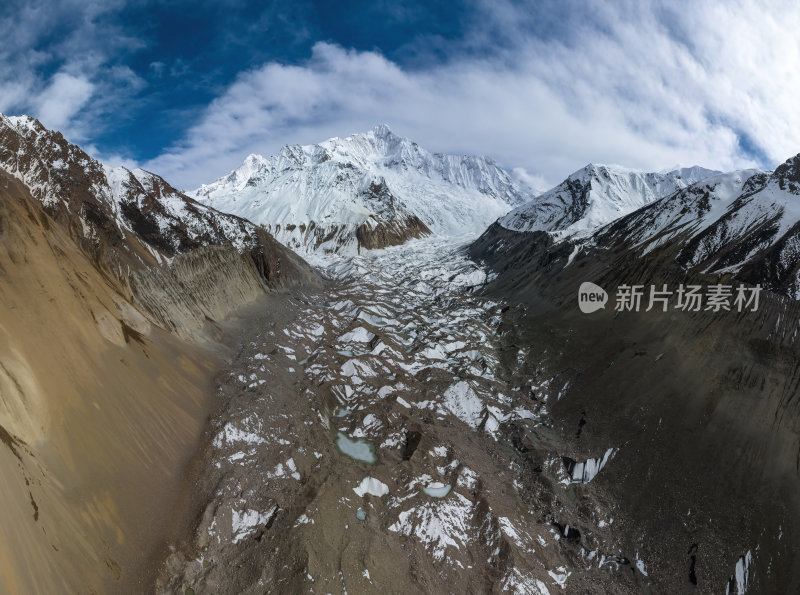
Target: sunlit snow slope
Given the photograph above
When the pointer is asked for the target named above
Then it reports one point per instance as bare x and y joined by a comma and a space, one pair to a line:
746, 223
596, 195
365, 191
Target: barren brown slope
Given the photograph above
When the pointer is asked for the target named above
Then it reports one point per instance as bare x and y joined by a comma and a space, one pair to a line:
97, 409
101, 406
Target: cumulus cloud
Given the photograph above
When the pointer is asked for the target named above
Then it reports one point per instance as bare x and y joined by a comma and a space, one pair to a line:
58, 103
56, 63
544, 87
644, 84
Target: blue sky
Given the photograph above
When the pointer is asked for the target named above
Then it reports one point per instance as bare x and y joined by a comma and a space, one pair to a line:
188, 89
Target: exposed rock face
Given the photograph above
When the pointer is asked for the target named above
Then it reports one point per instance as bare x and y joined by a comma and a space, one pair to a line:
198, 286
391, 224
788, 175
112, 283
701, 405
172, 222
208, 283
129, 221
69, 184
372, 235
387, 224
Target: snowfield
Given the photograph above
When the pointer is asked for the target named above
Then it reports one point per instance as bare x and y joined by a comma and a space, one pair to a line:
596, 195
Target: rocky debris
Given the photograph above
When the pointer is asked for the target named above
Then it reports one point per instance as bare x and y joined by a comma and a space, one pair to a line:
102, 397
100, 410
403, 449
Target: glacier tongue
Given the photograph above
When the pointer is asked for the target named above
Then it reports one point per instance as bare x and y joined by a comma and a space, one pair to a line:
365, 191
389, 395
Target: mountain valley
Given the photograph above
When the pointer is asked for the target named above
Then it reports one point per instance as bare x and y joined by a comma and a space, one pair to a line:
189, 406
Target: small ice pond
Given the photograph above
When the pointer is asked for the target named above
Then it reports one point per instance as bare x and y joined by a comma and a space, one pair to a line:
358, 449
437, 489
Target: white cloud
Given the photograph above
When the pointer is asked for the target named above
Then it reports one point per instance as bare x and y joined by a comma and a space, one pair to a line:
57, 105
634, 84
533, 181
543, 87
57, 64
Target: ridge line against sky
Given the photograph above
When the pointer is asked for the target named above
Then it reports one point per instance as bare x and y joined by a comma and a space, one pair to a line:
188, 90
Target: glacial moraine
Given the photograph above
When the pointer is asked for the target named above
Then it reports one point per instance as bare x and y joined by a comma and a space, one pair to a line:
378, 438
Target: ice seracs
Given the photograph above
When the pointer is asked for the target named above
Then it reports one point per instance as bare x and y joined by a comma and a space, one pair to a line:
740, 579
365, 191
586, 471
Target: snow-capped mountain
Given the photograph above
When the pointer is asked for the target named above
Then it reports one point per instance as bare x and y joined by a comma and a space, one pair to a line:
168, 219
708, 371
746, 223
596, 195
365, 191
121, 216
687, 212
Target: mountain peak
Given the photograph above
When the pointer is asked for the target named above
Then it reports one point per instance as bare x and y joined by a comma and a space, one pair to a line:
342, 184
254, 158
23, 122
695, 172
383, 131
595, 195
787, 175
601, 169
